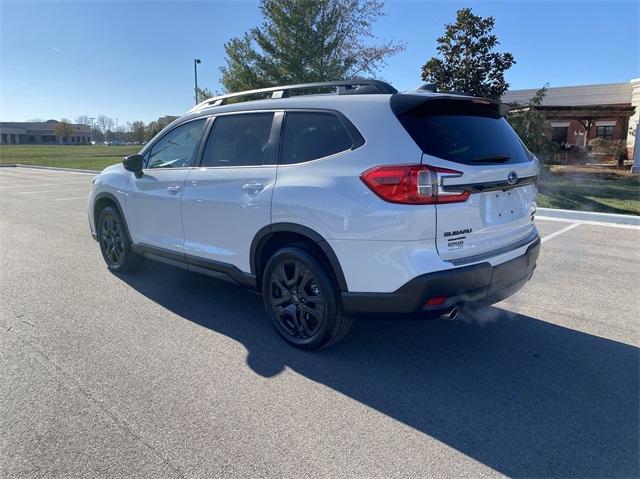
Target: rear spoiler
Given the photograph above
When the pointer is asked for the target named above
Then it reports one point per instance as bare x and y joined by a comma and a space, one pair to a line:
420, 104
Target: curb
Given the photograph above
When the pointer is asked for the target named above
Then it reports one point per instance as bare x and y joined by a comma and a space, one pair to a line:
540, 212
54, 168
588, 216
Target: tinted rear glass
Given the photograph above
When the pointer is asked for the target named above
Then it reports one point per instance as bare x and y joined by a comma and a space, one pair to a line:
463, 132
239, 140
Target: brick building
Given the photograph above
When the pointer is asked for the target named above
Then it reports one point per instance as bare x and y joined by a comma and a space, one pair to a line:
577, 114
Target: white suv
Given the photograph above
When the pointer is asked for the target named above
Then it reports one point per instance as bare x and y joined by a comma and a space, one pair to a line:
335, 200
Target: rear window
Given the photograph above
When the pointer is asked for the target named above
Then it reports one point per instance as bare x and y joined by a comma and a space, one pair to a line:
464, 132
311, 135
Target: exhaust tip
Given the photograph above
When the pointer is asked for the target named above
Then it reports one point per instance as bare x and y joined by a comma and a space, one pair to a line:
451, 314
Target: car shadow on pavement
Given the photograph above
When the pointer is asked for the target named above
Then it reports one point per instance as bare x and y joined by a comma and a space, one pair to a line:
521, 395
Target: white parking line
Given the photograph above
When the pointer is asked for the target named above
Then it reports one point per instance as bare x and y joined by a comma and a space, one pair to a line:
46, 175
44, 179
74, 198
585, 222
559, 232
47, 171
51, 191
3, 187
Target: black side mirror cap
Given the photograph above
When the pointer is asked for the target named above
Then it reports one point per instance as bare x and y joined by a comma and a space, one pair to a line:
134, 164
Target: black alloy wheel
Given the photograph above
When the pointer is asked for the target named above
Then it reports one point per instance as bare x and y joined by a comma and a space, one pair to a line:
296, 299
301, 299
112, 240
115, 244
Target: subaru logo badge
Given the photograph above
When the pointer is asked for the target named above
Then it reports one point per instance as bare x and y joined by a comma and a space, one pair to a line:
512, 179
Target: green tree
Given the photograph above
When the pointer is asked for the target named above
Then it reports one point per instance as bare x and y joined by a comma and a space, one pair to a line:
529, 123
64, 130
468, 61
137, 131
110, 135
304, 41
97, 135
204, 93
151, 130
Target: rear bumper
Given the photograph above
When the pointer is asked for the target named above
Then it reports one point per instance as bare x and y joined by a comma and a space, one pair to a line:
476, 285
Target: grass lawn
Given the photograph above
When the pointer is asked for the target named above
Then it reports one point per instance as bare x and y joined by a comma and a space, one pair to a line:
66, 156
604, 190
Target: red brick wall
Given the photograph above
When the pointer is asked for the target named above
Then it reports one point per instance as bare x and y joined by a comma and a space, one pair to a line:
576, 126
617, 130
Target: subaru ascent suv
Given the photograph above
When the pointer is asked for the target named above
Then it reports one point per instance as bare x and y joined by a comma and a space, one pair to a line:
335, 200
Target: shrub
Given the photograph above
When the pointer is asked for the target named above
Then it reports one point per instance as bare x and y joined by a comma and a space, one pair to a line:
608, 147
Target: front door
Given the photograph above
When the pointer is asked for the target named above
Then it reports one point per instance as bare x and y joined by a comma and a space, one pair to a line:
153, 200
228, 199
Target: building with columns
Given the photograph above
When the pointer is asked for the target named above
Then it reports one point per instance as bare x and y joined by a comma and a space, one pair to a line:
577, 114
41, 133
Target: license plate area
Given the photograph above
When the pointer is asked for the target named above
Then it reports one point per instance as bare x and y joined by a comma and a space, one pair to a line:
503, 206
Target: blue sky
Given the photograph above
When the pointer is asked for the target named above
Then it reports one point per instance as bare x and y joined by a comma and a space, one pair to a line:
134, 61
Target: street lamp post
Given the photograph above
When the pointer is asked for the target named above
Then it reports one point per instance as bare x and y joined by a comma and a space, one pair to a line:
195, 77
91, 130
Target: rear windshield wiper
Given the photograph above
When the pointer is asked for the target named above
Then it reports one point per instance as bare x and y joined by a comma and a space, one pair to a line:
491, 159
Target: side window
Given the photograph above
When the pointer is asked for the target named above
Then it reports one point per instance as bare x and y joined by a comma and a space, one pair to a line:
239, 140
178, 148
311, 135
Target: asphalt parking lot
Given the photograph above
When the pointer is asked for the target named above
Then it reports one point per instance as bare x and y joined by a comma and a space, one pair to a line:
166, 373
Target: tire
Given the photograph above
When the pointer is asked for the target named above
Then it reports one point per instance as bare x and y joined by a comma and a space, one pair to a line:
302, 300
115, 244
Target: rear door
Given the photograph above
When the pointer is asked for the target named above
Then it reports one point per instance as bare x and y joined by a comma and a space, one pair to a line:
488, 161
228, 198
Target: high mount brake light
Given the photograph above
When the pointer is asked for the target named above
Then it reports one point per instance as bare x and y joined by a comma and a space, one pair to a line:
412, 184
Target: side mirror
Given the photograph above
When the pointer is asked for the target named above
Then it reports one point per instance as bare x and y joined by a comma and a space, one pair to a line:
133, 163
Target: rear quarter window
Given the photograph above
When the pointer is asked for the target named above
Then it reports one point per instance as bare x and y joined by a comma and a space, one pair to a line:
311, 135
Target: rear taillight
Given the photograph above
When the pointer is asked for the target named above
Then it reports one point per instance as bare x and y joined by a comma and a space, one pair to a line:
412, 184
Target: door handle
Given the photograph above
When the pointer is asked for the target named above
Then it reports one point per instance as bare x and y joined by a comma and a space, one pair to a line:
174, 189
252, 187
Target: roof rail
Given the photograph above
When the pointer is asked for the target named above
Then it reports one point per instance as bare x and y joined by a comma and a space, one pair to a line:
341, 87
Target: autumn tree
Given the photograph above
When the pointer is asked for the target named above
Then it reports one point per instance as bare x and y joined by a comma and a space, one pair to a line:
467, 61
64, 130
304, 41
